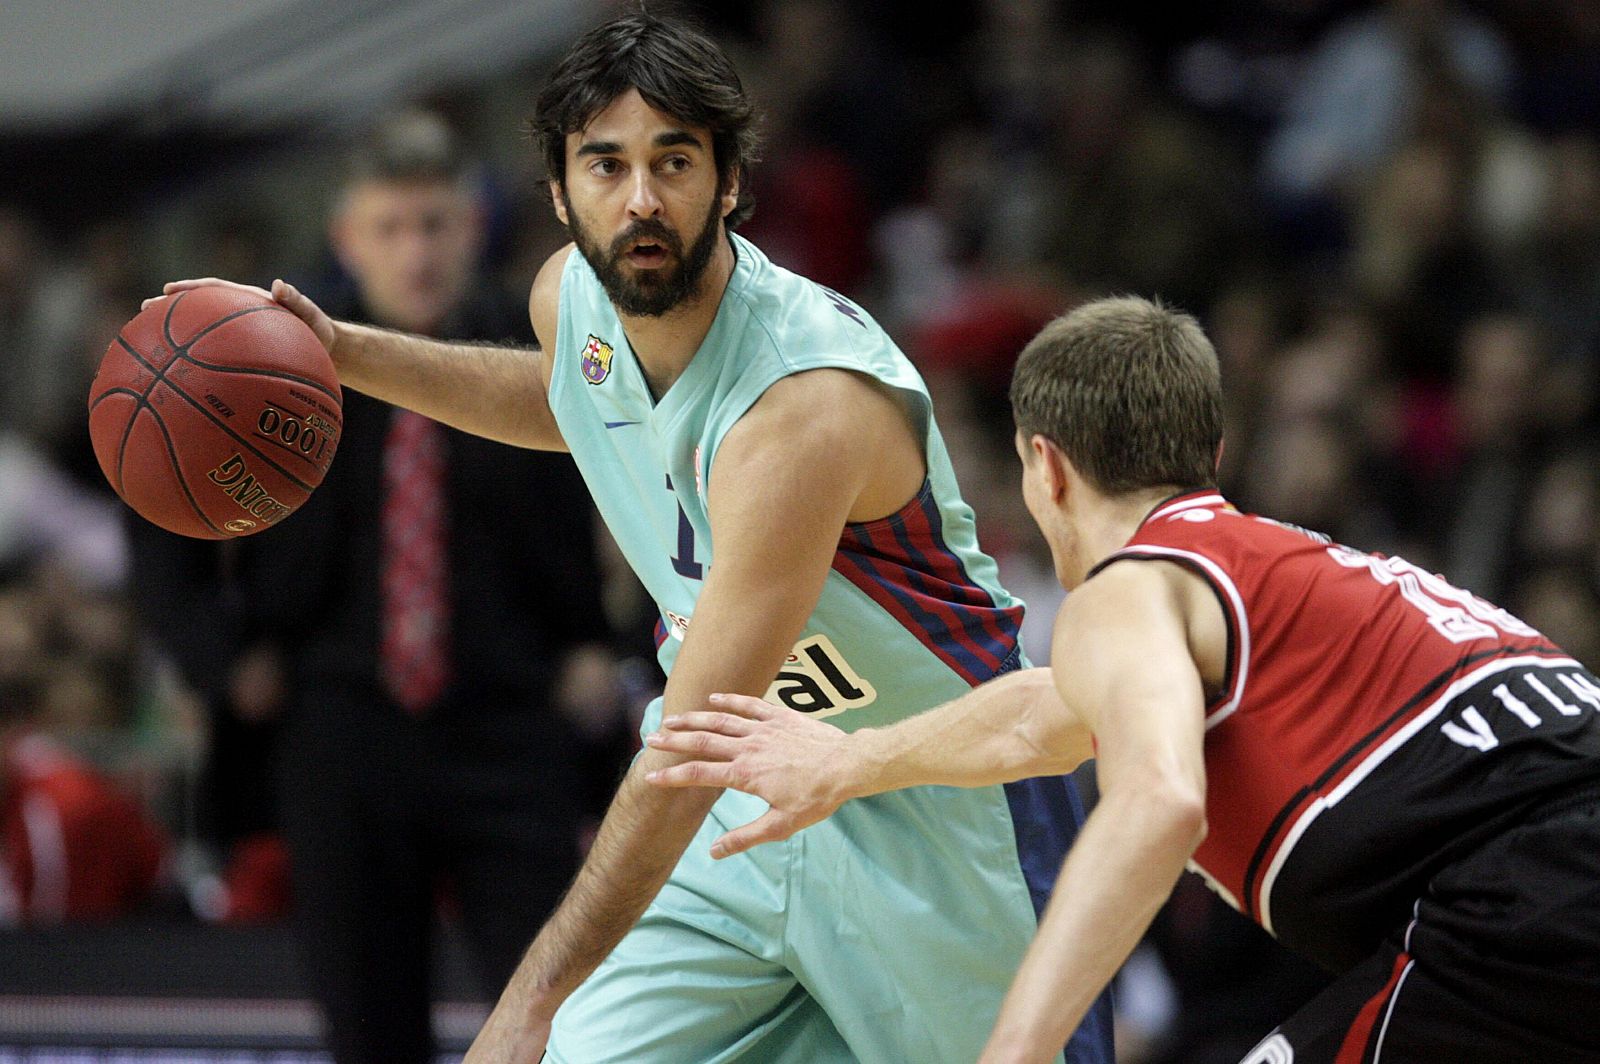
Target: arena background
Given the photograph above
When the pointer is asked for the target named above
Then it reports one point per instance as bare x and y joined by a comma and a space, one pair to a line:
1386, 214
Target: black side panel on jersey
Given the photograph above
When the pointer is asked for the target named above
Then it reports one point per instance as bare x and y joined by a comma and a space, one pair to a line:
1517, 735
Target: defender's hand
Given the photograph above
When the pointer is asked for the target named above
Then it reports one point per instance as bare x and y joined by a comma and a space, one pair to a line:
800, 766
284, 293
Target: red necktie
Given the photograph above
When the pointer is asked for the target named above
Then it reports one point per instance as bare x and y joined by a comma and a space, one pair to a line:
415, 577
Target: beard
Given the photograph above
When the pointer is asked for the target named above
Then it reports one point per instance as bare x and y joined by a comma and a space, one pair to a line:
649, 293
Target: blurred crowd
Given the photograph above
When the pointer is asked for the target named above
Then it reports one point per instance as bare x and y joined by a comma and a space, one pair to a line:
1387, 215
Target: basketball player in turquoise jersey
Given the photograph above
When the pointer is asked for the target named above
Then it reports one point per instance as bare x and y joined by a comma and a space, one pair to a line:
768, 461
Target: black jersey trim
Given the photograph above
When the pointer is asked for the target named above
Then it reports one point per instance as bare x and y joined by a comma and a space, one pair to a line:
1297, 801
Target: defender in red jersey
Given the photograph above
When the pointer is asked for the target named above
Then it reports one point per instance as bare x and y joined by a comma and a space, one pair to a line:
1391, 775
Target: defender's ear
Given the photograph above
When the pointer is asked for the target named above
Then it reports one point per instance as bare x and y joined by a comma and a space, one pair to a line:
1054, 465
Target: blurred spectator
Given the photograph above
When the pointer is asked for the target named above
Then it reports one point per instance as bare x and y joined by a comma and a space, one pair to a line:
1555, 272
44, 515
187, 592
1119, 157
74, 845
1361, 92
1501, 432
1415, 258
1563, 603
1561, 523
1319, 446
43, 306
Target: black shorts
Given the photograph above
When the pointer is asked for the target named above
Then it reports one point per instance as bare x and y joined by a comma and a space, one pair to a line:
1501, 964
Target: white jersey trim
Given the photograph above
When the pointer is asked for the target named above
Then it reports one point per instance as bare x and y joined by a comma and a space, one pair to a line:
1186, 504
1388, 1013
1377, 757
1230, 593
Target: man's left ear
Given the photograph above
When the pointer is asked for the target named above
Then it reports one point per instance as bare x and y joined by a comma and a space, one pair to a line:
1054, 464
730, 195
1216, 466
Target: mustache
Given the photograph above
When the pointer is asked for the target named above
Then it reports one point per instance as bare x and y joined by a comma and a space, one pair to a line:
647, 229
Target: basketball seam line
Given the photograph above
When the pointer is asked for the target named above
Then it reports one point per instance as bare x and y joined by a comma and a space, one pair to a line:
208, 415
172, 453
144, 404
182, 350
275, 373
127, 430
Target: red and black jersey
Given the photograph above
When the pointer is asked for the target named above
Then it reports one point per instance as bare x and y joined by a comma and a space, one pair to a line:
1374, 724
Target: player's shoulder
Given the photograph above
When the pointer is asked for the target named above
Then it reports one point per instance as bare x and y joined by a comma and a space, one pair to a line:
823, 402
794, 314
544, 298
1133, 587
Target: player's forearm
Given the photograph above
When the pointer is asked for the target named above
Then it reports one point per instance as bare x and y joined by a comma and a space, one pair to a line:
1119, 872
644, 834
491, 391
1013, 727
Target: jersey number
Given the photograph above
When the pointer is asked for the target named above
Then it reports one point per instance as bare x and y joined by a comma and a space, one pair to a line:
683, 562
1459, 616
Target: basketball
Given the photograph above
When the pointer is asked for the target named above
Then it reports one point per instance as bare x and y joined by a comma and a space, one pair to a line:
215, 413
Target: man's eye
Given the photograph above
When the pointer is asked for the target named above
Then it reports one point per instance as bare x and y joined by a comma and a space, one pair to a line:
675, 163
605, 167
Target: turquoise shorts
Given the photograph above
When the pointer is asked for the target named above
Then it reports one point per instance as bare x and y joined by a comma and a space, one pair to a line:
886, 934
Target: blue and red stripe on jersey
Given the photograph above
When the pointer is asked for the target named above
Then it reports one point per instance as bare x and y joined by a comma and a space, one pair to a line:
902, 563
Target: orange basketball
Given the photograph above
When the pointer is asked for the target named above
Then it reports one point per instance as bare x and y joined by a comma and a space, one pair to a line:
215, 413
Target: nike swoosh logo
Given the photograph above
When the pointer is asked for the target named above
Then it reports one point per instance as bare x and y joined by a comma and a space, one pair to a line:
619, 424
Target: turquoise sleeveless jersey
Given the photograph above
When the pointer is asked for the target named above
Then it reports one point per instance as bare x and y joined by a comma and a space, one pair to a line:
911, 615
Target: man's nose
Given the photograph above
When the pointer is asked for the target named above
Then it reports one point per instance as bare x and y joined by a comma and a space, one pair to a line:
643, 202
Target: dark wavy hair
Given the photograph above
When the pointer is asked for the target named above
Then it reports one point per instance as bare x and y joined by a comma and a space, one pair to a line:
676, 68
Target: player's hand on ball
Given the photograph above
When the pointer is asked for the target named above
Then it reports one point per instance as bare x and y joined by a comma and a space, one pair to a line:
792, 761
284, 293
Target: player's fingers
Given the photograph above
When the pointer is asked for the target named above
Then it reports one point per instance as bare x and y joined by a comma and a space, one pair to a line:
307, 311
701, 720
769, 827
699, 744
172, 288
744, 706
289, 295
691, 774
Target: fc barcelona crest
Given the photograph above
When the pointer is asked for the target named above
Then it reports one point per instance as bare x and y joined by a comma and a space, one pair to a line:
596, 363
